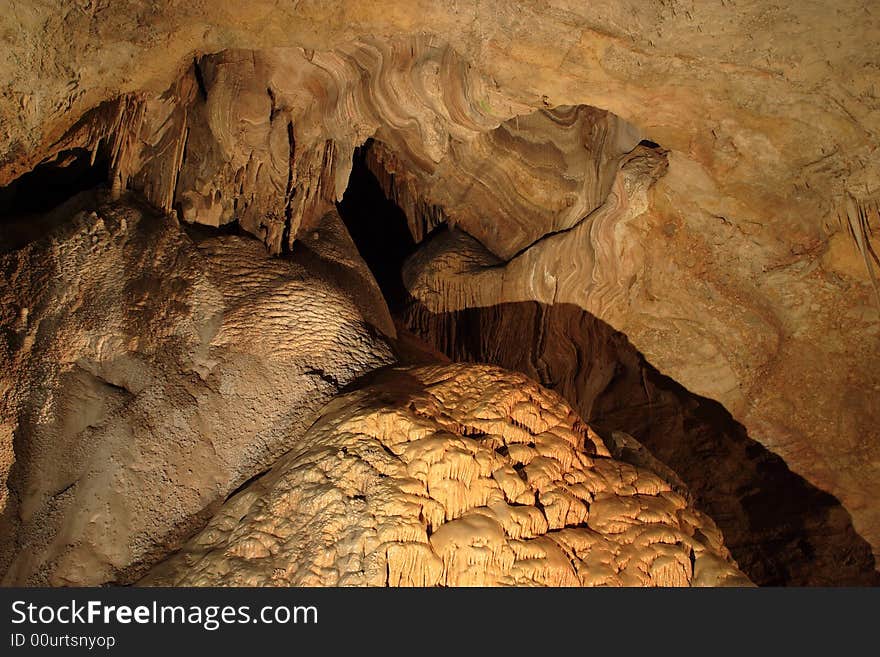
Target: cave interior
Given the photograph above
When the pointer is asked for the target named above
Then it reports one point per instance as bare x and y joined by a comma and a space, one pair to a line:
425, 229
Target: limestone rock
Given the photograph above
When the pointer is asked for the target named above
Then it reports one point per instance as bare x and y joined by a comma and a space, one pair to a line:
747, 271
146, 375
770, 364
780, 529
534, 174
453, 475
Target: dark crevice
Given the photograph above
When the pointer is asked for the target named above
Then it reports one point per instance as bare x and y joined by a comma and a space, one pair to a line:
379, 229
324, 376
245, 485
200, 80
201, 232
53, 182
63, 490
290, 189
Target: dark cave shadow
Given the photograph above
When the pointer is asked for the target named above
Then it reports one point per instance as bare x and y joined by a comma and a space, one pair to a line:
53, 182
379, 229
780, 528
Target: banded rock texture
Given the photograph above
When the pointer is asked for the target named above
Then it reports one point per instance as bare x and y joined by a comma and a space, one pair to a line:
453, 475
534, 174
146, 375
266, 138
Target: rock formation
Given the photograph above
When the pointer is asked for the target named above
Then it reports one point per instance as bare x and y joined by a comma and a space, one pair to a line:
780, 529
453, 475
700, 177
534, 174
147, 375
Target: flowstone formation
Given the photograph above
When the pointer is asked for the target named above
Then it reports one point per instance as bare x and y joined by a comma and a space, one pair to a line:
780, 529
453, 475
147, 374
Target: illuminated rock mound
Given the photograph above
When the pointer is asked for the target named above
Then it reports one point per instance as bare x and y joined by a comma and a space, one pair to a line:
146, 375
453, 475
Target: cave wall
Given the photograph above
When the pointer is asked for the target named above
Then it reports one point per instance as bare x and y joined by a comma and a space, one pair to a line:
729, 255
780, 366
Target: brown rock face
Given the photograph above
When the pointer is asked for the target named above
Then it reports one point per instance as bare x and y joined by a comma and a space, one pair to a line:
722, 346
534, 174
700, 177
147, 375
453, 475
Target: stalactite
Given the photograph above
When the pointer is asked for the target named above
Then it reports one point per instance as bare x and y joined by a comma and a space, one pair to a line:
855, 218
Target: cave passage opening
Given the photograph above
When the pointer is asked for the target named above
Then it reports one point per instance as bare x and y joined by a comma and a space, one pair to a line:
53, 182
30, 204
379, 229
